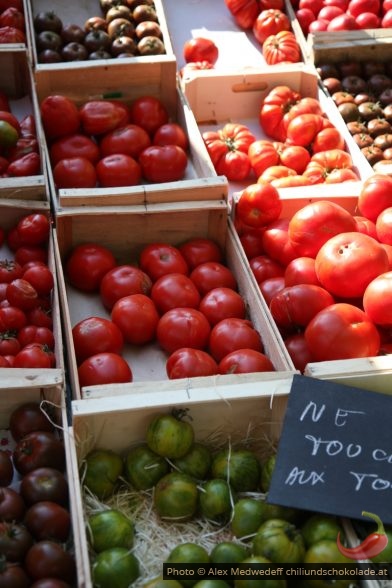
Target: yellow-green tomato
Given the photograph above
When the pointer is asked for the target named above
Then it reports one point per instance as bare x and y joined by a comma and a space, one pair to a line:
169, 437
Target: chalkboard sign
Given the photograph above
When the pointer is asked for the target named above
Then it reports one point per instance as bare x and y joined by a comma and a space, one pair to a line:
335, 451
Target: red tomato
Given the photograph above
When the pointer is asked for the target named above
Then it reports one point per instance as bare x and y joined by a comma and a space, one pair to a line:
41, 278
27, 165
259, 204
281, 48
33, 229
295, 157
270, 22
87, 265
76, 145
375, 195
26, 254
183, 327
12, 318
346, 263
212, 274
388, 249
163, 163
60, 116
40, 316
104, 368
366, 226
22, 294
228, 148
94, 335
9, 270
386, 21
33, 334
33, 355
357, 7
102, 116
301, 270
137, 318
149, 112
200, 49
12, 35
244, 11
329, 138
384, 226
190, 363
342, 22
295, 306
368, 20
130, 140
220, 303
315, 223
276, 242
329, 12
305, 17
171, 134
245, 361
174, 290
298, 350
262, 155
158, 259
273, 109
252, 242
118, 170
270, 287
200, 250
275, 173
377, 300
342, 331
263, 267
9, 345
121, 281
303, 129
232, 334
10, 119
74, 172
12, 17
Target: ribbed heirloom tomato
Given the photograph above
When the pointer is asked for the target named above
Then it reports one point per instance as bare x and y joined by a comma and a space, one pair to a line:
269, 22
228, 148
244, 12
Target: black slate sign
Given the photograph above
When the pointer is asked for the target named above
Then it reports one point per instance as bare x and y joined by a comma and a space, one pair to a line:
335, 451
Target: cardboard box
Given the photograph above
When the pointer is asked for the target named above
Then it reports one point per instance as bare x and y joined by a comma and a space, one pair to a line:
127, 231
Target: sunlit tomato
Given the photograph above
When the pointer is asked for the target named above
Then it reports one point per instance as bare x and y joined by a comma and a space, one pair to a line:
375, 195
183, 327
259, 204
130, 140
245, 361
232, 334
137, 317
158, 259
364, 225
295, 157
384, 226
263, 267
274, 106
33, 229
41, 278
33, 355
190, 363
163, 163
194, 66
269, 22
9, 270
22, 294
104, 368
252, 242
295, 306
298, 350
315, 223
94, 335
270, 287
347, 262
60, 116
76, 145
303, 129
262, 155
228, 148
148, 112
244, 12
301, 270
220, 303
212, 274
171, 134
121, 281
342, 331
329, 138
200, 49
281, 48
388, 249
74, 172
324, 164
276, 242
87, 264
305, 17
118, 170
12, 318
377, 299
33, 334
173, 290
200, 250
329, 12
102, 116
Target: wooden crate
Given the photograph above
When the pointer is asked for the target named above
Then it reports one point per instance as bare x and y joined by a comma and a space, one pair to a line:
35, 379
218, 416
18, 84
368, 44
24, 46
128, 231
216, 99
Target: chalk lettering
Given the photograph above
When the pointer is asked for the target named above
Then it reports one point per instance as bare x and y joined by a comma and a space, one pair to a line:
375, 482
312, 407
342, 414
333, 448
381, 455
297, 476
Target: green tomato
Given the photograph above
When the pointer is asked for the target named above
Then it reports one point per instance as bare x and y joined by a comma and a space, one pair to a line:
103, 469
115, 568
215, 500
8, 135
255, 583
320, 526
143, 467
240, 467
176, 496
196, 462
169, 437
279, 541
110, 528
228, 552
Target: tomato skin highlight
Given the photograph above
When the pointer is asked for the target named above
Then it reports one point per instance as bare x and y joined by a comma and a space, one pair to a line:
104, 368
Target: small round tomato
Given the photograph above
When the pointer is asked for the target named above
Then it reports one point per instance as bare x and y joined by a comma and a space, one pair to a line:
232, 334
60, 116
94, 335
87, 265
190, 363
163, 163
295, 306
76, 145
40, 316
158, 259
137, 318
171, 134
377, 299
130, 140
74, 172
148, 112
183, 327
41, 278
33, 229
33, 334
200, 49
174, 290
200, 250
221, 303
22, 294
104, 368
118, 170
33, 355
258, 205
212, 274
245, 361
121, 281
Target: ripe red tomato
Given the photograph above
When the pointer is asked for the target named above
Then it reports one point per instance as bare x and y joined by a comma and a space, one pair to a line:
281, 48
232, 334
76, 145
87, 264
121, 281
386, 21
295, 306
9, 345
298, 350
34, 355
171, 134
252, 241
220, 303
163, 163
364, 225
263, 267
200, 49
33, 229
22, 294
342, 331
245, 361
40, 316
342, 22
104, 368
377, 299
12, 318
26, 254
190, 363
33, 334
295, 157
274, 108
94, 335
60, 116
276, 242
270, 22
357, 7
347, 262
41, 278
258, 205
148, 112
244, 11
228, 149
74, 172
98, 117
183, 327
301, 270
270, 287
118, 170
212, 274
158, 259
375, 195
384, 226
9, 270
200, 250
174, 290
137, 318
304, 128
329, 138
130, 140
262, 155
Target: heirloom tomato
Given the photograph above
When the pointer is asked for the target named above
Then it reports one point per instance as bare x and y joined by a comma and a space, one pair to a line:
44, 484
262, 155
60, 116
375, 195
48, 520
183, 327
303, 128
26, 418
94, 335
244, 12
163, 163
212, 274
231, 334
377, 299
200, 49
148, 112
295, 306
87, 264
274, 106
137, 318
121, 281
269, 22
49, 559
190, 363
102, 116
220, 303
228, 148
295, 157
281, 48
39, 449
329, 138
259, 204
104, 368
